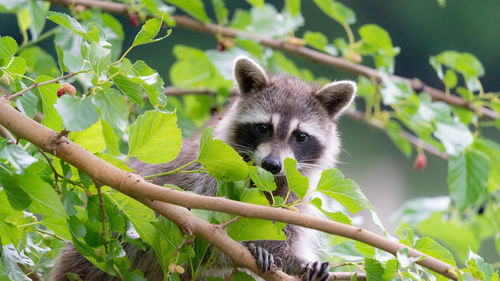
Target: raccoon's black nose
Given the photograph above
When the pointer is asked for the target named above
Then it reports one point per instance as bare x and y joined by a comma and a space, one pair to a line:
272, 164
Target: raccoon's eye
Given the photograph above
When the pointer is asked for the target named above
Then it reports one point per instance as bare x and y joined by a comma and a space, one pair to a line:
301, 137
262, 128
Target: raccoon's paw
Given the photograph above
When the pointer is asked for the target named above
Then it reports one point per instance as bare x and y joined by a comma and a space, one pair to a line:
315, 271
265, 260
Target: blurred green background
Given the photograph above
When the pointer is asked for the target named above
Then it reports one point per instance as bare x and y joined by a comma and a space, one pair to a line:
420, 29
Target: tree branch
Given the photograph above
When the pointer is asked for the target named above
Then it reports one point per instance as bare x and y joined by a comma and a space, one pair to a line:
315, 56
36, 85
135, 186
7, 135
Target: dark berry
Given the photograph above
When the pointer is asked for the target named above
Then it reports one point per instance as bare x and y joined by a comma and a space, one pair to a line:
220, 46
133, 19
61, 92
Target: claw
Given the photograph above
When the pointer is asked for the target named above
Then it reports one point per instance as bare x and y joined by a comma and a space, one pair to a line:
314, 271
264, 259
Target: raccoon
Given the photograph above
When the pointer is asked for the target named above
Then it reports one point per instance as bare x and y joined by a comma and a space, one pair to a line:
271, 118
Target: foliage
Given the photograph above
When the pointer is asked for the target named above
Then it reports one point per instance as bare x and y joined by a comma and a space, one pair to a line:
119, 111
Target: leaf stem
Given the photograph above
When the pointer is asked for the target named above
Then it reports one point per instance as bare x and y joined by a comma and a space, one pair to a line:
350, 35
173, 171
124, 54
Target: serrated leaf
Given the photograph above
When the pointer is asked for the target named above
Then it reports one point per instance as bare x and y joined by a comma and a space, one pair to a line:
374, 270
91, 139
337, 11
267, 21
99, 56
221, 160
68, 22
77, 113
8, 47
11, 259
468, 177
292, 6
39, 61
454, 136
345, 191
296, 182
262, 179
154, 137
430, 247
335, 216
130, 88
149, 31
250, 229
16, 196
17, 66
394, 130
377, 38
17, 157
113, 108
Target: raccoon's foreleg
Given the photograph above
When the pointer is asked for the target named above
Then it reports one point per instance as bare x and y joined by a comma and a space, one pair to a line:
310, 271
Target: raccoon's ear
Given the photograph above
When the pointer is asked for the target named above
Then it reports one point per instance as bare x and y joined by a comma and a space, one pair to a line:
249, 76
336, 96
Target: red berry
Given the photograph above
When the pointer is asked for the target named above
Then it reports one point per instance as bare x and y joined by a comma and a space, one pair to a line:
68, 88
220, 46
61, 92
420, 162
133, 19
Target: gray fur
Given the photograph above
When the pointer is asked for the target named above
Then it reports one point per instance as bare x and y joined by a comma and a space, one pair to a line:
292, 105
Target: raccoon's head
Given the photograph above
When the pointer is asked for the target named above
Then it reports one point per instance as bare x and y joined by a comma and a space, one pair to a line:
275, 117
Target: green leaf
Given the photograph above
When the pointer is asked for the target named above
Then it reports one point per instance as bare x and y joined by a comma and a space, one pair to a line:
450, 79
130, 88
296, 182
91, 139
394, 92
374, 270
23, 19
39, 61
149, 31
316, 39
38, 12
479, 268
77, 114
17, 66
11, 259
345, 191
16, 196
465, 63
113, 108
430, 247
454, 136
292, 6
194, 8
99, 56
337, 11
48, 94
154, 137
430, 111
150, 80
17, 157
220, 159
221, 11
377, 38
468, 177
263, 179
8, 47
68, 22
335, 216
394, 130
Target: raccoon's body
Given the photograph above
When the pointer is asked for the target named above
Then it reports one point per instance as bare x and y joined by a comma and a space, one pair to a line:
272, 118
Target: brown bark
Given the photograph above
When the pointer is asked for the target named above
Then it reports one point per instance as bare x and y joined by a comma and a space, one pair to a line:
148, 193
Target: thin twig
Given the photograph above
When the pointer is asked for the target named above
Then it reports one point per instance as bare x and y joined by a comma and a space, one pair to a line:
226, 223
35, 85
180, 245
62, 133
30, 272
103, 213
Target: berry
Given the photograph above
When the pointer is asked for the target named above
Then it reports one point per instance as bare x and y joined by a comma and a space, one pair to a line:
179, 269
60, 92
420, 162
172, 268
68, 88
133, 19
5, 80
220, 46
79, 8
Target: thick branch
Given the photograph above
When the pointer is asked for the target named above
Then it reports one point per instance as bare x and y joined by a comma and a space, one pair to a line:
315, 56
136, 187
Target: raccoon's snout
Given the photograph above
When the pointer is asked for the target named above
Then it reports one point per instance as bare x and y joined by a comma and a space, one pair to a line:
272, 164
